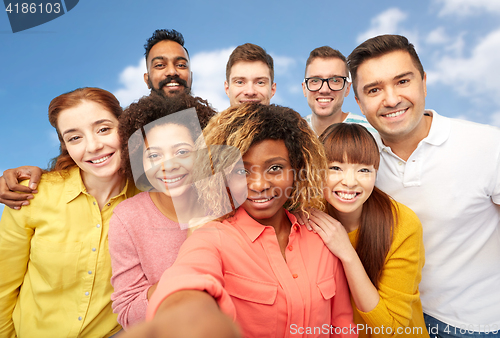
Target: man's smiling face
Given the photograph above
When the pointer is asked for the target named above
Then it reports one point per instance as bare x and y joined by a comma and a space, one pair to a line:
168, 69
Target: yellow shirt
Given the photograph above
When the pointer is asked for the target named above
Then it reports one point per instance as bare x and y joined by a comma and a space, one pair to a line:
54, 262
399, 310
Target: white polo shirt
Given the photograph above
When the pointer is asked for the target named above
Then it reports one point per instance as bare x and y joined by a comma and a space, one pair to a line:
452, 182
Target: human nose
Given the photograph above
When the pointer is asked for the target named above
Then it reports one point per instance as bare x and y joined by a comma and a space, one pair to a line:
392, 97
324, 87
94, 144
349, 178
249, 89
171, 70
170, 164
258, 182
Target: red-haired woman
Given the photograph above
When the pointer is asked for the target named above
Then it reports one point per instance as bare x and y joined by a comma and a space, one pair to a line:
378, 240
54, 253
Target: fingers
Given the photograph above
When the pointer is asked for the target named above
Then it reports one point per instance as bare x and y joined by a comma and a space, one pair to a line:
14, 200
14, 176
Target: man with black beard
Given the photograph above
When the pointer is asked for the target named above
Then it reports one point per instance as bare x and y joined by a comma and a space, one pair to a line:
167, 62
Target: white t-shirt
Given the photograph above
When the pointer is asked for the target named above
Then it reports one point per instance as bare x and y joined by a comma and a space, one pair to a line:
452, 182
351, 118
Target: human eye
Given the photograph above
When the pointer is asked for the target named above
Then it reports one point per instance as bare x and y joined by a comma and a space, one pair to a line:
158, 65
153, 156
373, 90
240, 171
104, 129
238, 82
314, 80
365, 170
182, 152
182, 65
334, 168
72, 139
275, 168
404, 81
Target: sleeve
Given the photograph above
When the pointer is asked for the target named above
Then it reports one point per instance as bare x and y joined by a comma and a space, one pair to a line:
129, 281
342, 318
198, 267
15, 243
401, 275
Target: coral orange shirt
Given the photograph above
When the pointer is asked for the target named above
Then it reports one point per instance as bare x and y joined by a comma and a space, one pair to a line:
240, 264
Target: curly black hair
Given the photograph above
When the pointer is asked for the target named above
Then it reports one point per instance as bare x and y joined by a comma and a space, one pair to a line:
149, 109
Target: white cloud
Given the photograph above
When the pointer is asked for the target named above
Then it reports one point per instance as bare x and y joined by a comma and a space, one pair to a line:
133, 86
209, 74
468, 7
53, 138
385, 23
475, 76
282, 64
437, 37
495, 119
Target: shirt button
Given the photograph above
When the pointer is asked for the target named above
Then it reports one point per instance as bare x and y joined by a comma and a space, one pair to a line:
90, 272
93, 202
295, 275
400, 163
98, 225
86, 293
296, 227
108, 204
79, 318
290, 247
93, 249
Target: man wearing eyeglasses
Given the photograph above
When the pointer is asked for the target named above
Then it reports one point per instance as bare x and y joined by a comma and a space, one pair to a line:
326, 85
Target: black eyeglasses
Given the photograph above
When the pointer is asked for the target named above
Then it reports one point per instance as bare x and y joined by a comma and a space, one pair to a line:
335, 83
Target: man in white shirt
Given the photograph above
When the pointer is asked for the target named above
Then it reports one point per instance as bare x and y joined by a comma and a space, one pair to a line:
325, 86
448, 172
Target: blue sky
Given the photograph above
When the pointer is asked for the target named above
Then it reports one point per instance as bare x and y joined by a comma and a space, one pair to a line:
100, 43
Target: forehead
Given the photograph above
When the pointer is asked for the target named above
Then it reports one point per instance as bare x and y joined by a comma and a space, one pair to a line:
326, 67
167, 49
168, 134
250, 70
83, 115
386, 67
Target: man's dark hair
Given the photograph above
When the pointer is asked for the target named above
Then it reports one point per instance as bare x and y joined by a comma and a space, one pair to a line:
161, 35
249, 52
378, 46
326, 52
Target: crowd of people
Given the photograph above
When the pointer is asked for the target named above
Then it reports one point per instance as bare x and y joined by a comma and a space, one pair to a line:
168, 219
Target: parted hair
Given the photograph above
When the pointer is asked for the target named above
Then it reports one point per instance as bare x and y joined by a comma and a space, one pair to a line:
378, 46
70, 100
249, 52
353, 143
325, 52
148, 110
245, 125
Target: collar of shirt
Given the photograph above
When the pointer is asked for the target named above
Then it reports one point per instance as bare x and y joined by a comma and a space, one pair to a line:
75, 186
254, 229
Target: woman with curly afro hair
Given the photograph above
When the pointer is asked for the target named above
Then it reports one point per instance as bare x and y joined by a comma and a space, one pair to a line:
157, 137
258, 265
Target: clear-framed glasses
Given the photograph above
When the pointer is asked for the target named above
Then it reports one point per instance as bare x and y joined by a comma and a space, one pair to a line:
335, 83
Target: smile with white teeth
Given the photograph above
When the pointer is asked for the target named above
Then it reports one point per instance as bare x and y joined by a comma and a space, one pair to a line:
324, 100
399, 112
262, 200
172, 180
346, 196
172, 84
102, 159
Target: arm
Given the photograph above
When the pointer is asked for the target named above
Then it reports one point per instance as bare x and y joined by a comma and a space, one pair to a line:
15, 242
187, 314
15, 195
131, 287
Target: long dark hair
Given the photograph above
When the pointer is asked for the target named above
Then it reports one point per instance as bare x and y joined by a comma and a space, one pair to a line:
352, 143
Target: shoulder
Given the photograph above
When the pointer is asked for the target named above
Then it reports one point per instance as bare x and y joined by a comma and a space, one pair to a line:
134, 204
407, 222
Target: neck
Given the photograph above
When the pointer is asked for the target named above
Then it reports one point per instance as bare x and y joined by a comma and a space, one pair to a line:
103, 189
406, 145
320, 123
350, 221
182, 210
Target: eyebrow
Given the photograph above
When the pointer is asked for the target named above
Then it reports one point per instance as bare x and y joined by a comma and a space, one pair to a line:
172, 147
397, 77
244, 77
96, 123
271, 160
161, 57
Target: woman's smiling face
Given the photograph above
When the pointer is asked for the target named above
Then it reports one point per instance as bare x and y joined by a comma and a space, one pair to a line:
270, 180
168, 158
